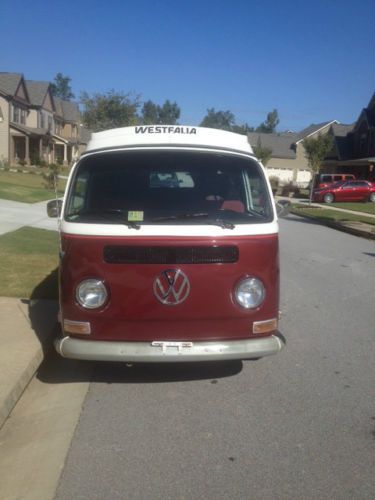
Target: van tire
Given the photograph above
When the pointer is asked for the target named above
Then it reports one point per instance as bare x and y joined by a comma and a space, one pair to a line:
328, 198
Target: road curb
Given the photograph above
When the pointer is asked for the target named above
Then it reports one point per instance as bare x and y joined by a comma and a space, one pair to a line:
26, 334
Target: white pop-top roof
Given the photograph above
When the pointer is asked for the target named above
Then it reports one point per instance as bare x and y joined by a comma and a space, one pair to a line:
168, 135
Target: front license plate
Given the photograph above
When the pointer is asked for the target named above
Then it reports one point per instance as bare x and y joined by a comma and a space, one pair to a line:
166, 344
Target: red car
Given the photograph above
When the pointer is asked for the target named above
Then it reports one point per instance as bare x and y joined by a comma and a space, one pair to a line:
346, 191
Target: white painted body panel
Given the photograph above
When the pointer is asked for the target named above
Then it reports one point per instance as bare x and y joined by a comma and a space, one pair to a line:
168, 135
199, 230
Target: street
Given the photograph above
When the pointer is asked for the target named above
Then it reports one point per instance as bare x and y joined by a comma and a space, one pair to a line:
297, 425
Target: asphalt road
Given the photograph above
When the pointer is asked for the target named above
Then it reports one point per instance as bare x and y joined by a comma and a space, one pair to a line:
299, 425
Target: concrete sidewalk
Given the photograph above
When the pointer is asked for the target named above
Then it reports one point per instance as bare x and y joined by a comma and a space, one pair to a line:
27, 329
14, 215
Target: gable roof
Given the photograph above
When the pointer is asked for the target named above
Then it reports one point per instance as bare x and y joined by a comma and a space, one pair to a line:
70, 111
37, 91
280, 144
13, 85
9, 83
313, 129
67, 109
342, 142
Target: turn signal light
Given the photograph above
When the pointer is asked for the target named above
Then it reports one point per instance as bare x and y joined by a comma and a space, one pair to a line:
78, 327
270, 325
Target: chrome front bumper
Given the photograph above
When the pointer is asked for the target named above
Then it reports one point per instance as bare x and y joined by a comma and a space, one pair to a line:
168, 352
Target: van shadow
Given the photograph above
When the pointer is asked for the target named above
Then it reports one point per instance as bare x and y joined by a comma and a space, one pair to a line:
42, 310
57, 370
48, 288
165, 372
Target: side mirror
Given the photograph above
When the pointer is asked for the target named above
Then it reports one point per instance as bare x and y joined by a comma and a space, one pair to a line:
283, 208
54, 208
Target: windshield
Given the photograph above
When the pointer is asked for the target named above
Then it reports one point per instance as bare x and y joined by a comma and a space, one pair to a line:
168, 187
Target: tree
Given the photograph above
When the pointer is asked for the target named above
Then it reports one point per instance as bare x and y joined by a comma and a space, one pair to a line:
168, 114
272, 121
242, 129
150, 113
109, 110
316, 149
61, 87
262, 153
223, 120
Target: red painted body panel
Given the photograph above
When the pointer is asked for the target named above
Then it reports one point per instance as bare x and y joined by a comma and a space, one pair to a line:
355, 191
134, 314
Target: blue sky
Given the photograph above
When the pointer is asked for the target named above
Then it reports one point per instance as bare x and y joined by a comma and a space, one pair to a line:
312, 61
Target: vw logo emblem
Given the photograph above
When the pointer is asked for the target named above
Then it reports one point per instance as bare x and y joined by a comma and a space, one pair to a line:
171, 287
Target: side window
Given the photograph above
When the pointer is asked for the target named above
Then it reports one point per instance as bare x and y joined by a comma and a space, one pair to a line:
337, 178
78, 197
326, 178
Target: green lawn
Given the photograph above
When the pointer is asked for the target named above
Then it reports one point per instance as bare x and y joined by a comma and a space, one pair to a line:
29, 260
28, 188
358, 207
324, 214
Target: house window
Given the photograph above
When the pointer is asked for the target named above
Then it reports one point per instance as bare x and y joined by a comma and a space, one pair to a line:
16, 114
50, 123
57, 128
19, 115
41, 120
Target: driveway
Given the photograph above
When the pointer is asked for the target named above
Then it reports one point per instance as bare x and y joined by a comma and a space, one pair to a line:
14, 215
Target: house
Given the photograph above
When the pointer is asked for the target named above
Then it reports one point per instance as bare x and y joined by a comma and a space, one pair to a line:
288, 160
354, 146
35, 126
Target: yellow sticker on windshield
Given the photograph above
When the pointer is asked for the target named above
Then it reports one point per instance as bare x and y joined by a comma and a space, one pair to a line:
135, 216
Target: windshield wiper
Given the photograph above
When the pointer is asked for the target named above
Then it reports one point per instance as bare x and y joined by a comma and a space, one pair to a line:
186, 216
105, 214
249, 211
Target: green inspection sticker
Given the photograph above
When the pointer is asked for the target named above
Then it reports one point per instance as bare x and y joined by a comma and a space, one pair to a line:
135, 216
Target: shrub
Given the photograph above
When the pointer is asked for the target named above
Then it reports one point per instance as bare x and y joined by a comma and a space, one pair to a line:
275, 182
290, 190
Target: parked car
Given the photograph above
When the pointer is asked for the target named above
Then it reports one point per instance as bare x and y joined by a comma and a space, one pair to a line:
346, 191
324, 180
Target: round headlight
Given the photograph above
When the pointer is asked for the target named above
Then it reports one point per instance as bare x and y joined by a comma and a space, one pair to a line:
91, 294
250, 293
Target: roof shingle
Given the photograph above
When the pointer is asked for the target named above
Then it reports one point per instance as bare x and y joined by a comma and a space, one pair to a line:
280, 144
9, 83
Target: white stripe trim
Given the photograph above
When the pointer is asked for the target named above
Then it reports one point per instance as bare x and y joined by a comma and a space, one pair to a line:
208, 231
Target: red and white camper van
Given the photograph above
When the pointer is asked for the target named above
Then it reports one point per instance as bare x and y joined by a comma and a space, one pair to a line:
169, 249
